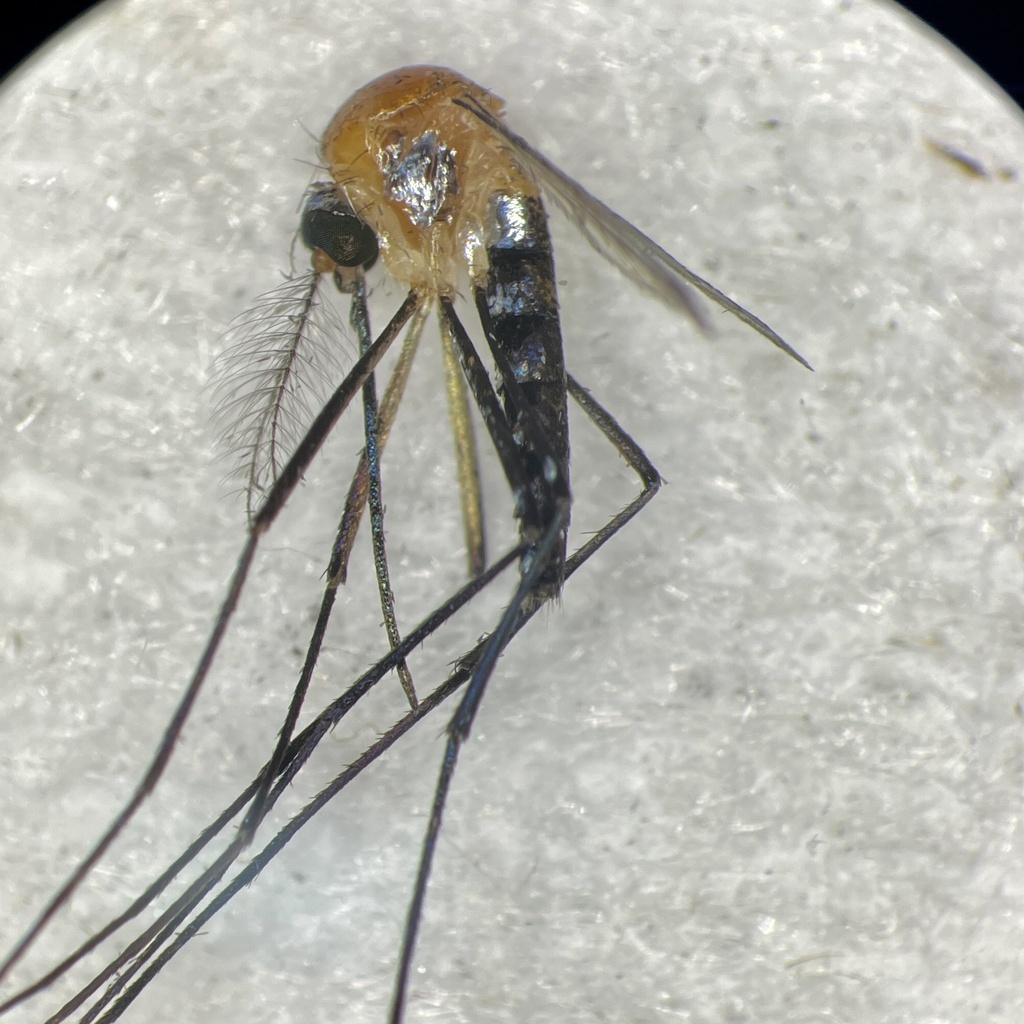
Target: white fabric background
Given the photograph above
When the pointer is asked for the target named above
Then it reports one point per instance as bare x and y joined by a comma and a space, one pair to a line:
764, 764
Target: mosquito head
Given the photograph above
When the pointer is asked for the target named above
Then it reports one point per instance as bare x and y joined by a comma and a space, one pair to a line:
330, 226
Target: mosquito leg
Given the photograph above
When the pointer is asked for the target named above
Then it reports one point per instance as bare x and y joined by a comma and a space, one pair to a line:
143, 901
468, 666
358, 492
463, 670
260, 861
634, 456
277, 497
329, 415
534, 562
148, 943
336, 569
285, 752
490, 408
467, 465
479, 662
515, 617
534, 567
360, 320
301, 747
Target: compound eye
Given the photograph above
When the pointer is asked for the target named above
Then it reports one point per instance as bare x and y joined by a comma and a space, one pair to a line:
329, 224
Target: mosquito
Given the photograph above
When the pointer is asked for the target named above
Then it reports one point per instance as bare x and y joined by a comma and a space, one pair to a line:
425, 177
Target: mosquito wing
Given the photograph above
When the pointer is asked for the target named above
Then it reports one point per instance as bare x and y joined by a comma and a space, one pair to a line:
638, 257
270, 381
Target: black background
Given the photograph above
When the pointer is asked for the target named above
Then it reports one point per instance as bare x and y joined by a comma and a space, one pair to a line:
986, 30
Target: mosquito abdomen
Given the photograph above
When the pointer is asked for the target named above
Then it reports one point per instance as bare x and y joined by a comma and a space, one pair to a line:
519, 306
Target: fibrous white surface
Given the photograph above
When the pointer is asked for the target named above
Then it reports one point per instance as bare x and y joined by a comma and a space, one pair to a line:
764, 763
